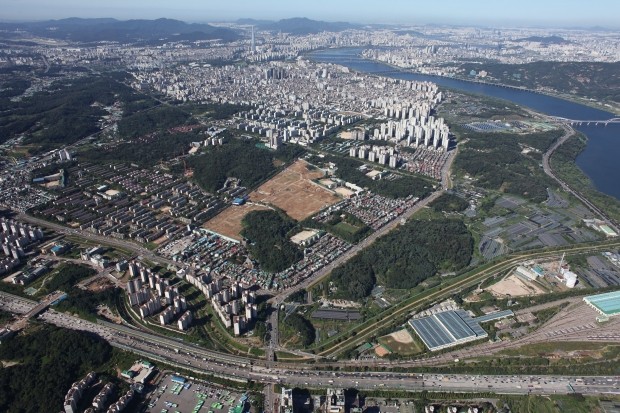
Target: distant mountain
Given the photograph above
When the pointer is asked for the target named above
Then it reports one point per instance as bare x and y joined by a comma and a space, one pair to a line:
545, 40
128, 31
254, 22
302, 25
413, 33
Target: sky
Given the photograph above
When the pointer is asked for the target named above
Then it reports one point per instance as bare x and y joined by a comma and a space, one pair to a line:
551, 13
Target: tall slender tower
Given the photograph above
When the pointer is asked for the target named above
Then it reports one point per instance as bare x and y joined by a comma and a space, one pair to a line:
253, 46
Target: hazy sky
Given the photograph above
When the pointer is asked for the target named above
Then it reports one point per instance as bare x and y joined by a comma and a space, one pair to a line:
491, 12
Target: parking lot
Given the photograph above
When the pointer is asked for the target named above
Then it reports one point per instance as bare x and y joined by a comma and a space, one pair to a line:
188, 397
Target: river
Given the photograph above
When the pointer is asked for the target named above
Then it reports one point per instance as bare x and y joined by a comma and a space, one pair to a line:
600, 161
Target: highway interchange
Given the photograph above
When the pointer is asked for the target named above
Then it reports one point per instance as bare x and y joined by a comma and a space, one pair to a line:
186, 356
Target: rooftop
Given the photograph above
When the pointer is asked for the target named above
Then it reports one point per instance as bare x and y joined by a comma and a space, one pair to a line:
303, 236
447, 329
607, 304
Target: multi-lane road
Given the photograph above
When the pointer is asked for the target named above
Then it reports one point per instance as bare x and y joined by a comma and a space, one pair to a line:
113, 242
277, 300
569, 132
193, 358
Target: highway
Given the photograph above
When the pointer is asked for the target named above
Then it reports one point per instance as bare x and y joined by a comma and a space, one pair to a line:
568, 132
276, 301
423, 299
181, 355
191, 357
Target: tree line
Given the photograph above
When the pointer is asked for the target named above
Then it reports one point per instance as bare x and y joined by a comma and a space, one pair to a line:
64, 113
401, 187
449, 203
302, 327
241, 159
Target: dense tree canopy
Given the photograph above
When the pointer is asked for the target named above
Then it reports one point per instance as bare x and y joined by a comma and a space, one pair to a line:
50, 360
237, 159
214, 110
268, 235
498, 162
405, 257
599, 80
161, 147
85, 303
68, 275
67, 112
142, 123
241, 159
402, 187
302, 327
449, 203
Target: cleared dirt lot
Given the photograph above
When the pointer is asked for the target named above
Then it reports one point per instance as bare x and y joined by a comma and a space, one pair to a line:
293, 191
513, 286
228, 222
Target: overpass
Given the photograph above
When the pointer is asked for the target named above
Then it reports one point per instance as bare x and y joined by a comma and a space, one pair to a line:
33, 308
44, 304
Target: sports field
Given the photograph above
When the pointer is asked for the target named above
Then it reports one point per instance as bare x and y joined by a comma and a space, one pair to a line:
400, 342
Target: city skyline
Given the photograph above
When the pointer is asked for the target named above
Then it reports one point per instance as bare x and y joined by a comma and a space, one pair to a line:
571, 13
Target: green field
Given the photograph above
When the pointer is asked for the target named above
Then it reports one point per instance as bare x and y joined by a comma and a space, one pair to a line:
553, 404
346, 227
539, 349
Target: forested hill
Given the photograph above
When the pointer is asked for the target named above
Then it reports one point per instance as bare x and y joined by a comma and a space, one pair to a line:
299, 25
49, 360
127, 31
406, 257
595, 80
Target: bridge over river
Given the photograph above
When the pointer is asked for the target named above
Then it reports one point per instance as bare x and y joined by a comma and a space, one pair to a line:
579, 122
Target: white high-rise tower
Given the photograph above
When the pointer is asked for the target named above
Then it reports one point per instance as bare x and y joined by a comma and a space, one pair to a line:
253, 46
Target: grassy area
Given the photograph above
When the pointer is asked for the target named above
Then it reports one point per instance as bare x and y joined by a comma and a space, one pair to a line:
395, 315
346, 227
284, 356
552, 404
538, 349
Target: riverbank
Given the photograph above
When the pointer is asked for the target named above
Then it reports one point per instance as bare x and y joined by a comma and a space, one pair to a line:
563, 164
599, 159
613, 109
